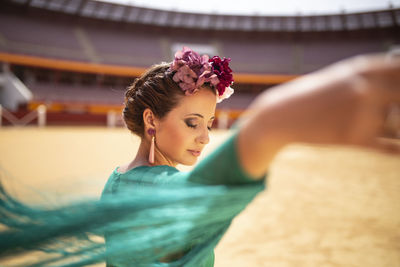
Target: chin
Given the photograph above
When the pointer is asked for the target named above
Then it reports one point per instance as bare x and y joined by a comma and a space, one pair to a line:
189, 162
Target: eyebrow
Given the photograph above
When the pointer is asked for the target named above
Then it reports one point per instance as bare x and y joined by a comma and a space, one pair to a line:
199, 115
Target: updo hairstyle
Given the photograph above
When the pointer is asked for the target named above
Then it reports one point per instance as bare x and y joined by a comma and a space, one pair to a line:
155, 90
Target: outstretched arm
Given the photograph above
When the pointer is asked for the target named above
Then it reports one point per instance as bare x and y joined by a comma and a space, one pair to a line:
345, 103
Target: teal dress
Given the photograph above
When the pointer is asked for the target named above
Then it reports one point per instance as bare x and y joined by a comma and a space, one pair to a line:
221, 167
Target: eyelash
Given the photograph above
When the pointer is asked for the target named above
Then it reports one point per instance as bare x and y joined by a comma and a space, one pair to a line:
194, 126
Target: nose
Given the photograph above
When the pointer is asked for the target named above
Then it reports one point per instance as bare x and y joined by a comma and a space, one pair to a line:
204, 137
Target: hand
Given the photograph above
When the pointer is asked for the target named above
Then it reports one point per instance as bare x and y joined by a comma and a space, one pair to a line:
346, 103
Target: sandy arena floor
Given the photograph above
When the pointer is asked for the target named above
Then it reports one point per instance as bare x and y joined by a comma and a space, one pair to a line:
325, 206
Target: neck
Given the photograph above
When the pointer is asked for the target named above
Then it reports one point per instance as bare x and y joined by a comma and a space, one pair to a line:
142, 156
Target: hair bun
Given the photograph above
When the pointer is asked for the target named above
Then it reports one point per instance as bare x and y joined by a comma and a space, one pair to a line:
155, 90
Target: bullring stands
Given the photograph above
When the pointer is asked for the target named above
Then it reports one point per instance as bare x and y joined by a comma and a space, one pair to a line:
87, 51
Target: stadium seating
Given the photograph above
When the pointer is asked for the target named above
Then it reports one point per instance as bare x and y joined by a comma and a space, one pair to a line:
90, 38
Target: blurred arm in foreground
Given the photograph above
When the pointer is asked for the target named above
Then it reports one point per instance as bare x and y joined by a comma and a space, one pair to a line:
346, 103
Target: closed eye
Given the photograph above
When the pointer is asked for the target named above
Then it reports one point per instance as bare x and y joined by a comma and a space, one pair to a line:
191, 125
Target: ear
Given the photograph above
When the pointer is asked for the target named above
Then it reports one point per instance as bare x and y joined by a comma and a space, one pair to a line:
149, 119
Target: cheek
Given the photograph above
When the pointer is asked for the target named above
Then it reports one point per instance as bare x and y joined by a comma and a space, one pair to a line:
173, 140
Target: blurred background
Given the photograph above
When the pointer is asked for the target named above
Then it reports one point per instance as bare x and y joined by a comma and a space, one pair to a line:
65, 66
76, 57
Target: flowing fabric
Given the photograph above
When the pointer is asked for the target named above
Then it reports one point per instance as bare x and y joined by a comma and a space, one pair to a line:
144, 215
151, 224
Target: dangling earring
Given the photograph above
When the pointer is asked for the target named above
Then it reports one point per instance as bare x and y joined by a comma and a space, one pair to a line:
151, 154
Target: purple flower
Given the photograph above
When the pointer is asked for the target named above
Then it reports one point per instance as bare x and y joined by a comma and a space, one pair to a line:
193, 70
184, 74
185, 77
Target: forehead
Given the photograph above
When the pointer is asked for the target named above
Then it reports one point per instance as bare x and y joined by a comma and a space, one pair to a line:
202, 102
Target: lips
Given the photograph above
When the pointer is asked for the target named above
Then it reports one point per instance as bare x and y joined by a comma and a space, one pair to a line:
195, 153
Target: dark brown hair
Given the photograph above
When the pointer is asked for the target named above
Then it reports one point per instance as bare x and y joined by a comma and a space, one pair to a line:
155, 90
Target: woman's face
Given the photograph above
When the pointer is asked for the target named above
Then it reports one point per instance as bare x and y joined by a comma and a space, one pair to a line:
182, 134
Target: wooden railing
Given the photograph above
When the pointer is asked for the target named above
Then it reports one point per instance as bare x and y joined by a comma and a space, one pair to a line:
126, 71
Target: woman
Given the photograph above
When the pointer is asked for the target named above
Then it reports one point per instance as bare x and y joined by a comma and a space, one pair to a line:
171, 107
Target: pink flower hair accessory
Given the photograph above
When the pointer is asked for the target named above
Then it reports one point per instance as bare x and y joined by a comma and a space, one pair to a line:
193, 70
